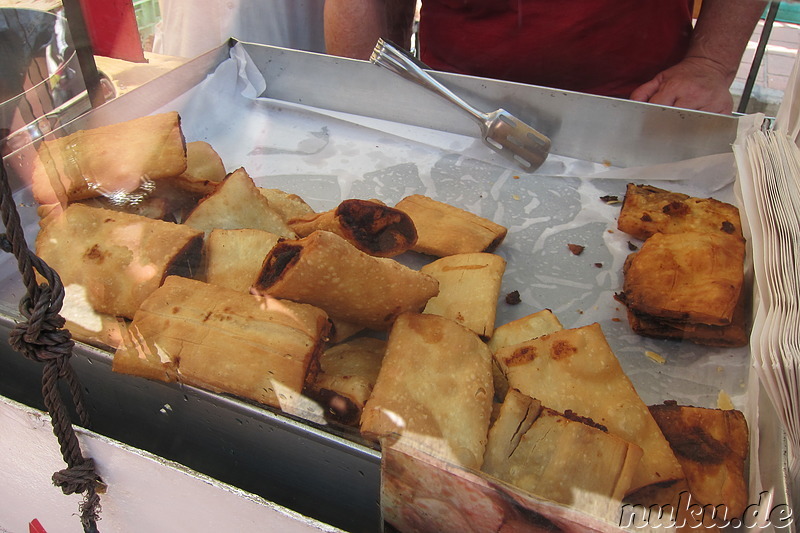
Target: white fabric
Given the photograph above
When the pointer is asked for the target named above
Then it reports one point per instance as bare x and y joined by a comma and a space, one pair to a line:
189, 28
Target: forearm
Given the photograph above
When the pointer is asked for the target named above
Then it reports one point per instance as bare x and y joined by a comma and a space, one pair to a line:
352, 27
722, 32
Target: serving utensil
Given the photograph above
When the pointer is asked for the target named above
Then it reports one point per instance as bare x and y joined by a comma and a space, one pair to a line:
501, 130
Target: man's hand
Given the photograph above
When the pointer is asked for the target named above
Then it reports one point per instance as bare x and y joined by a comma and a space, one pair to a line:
694, 83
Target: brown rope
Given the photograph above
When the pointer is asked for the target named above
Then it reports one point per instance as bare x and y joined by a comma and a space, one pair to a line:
41, 337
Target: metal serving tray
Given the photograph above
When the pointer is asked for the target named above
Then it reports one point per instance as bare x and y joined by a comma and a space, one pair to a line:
313, 469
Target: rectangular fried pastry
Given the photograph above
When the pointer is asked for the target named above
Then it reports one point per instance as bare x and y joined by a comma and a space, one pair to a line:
469, 286
712, 447
325, 270
347, 376
443, 229
558, 457
733, 335
519, 330
647, 210
234, 256
109, 159
576, 370
434, 386
224, 340
119, 258
688, 277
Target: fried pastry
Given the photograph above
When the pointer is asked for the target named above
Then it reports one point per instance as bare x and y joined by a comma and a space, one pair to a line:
520, 330
224, 340
561, 458
469, 286
435, 387
647, 210
688, 277
204, 169
733, 335
325, 270
119, 258
288, 205
443, 229
712, 447
234, 256
236, 204
114, 159
347, 375
369, 225
575, 370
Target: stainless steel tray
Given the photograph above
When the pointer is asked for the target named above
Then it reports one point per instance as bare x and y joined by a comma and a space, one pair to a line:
312, 469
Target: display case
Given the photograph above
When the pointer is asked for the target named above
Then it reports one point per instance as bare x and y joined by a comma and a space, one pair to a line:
329, 129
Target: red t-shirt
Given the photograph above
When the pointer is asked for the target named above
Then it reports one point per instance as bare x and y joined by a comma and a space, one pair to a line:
606, 47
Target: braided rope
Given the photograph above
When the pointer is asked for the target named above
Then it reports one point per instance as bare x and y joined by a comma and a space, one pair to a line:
40, 337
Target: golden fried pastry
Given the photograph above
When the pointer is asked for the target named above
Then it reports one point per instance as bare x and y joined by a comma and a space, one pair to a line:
648, 210
712, 447
234, 256
688, 277
204, 169
733, 335
435, 386
115, 159
575, 370
347, 375
224, 340
562, 458
443, 229
119, 258
236, 204
325, 270
369, 225
287, 204
469, 286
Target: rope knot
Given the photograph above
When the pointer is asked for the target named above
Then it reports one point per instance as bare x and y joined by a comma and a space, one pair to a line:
76, 479
40, 337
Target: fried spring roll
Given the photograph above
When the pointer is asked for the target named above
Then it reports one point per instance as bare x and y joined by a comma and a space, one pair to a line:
109, 159
562, 458
434, 387
119, 258
325, 270
469, 285
370, 226
347, 376
224, 340
234, 256
443, 229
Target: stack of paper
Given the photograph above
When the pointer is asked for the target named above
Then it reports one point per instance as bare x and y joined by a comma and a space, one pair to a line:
769, 165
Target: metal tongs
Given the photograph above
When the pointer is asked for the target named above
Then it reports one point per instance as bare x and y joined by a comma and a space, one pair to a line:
502, 131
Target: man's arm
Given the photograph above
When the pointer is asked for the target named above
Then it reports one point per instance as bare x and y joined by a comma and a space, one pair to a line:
703, 78
352, 27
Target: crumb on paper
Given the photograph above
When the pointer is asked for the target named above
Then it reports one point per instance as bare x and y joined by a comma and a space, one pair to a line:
606, 163
610, 199
724, 401
515, 196
655, 357
515, 177
616, 319
576, 249
599, 265
512, 298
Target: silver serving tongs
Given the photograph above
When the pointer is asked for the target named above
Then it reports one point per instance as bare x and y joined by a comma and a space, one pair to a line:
502, 131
